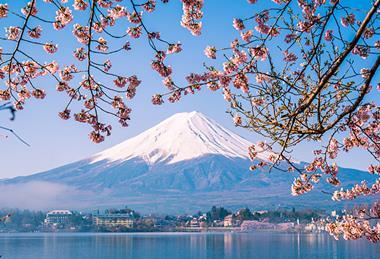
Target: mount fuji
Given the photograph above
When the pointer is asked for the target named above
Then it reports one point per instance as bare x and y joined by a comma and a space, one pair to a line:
186, 163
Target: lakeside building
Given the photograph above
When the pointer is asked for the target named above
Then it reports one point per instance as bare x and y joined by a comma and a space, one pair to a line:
193, 223
230, 221
113, 220
58, 217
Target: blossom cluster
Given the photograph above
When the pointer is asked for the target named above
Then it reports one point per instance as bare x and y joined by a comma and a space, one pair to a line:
357, 225
329, 61
192, 13
82, 82
356, 191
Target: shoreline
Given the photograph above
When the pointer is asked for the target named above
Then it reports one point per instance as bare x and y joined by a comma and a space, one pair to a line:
44, 235
165, 232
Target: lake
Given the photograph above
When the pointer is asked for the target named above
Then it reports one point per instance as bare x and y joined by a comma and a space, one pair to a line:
181, 245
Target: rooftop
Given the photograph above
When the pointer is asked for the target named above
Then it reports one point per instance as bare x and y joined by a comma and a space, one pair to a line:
59, 212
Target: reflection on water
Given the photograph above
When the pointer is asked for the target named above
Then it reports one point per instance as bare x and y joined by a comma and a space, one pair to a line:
181, 245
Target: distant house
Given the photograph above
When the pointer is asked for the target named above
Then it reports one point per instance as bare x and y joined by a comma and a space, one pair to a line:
58, 217
113, 220
230, 221
193, 223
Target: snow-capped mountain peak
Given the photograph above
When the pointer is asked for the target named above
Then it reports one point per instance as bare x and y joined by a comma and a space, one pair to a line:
186, 159
183, 136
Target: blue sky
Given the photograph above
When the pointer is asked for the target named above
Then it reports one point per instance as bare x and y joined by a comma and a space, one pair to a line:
55, 142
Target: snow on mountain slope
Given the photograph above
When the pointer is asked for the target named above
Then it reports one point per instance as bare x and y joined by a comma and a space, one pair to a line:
186, 163
183, 136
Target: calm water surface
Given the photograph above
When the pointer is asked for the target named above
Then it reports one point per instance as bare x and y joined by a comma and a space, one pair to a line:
182, 245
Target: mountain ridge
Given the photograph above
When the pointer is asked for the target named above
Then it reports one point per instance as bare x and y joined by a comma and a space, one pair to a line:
186, 160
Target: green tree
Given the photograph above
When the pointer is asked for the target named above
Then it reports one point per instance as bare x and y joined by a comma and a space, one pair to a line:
217, 213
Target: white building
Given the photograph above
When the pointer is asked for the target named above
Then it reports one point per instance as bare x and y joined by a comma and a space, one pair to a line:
58, 217
113, 220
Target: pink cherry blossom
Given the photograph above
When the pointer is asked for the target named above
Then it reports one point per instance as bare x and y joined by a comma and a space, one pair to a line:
13, 33
238, 24
50, 48
210, 52
328, 35
3, 10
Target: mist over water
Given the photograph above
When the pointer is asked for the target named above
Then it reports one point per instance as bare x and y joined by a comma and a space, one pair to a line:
40, 195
